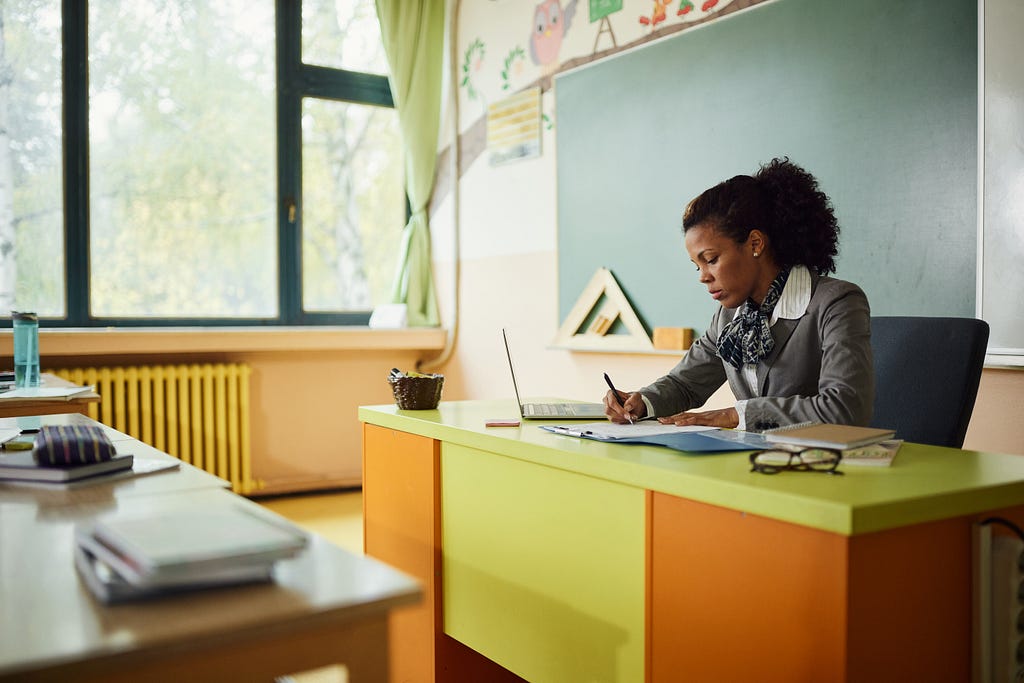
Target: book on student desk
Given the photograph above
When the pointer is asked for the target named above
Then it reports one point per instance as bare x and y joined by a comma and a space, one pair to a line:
823, 435
880, 454
186, 547
21, 466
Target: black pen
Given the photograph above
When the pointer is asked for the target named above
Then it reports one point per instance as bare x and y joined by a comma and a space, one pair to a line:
618, 398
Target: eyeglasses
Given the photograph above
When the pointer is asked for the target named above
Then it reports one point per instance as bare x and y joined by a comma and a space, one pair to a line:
773, 461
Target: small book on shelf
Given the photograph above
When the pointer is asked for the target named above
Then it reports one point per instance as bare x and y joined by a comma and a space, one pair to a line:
823, 435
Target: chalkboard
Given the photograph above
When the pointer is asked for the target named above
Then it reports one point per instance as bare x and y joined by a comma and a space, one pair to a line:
878, 99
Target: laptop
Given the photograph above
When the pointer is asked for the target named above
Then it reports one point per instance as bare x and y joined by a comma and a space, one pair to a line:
550, 411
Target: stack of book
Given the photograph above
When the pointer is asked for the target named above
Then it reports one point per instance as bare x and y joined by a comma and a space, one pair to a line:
60, 455
126, 558
858, 445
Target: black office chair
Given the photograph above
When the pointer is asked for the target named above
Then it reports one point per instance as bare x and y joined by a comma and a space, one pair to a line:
927, 372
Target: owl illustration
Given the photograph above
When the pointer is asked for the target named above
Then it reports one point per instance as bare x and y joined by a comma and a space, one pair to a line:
550, 23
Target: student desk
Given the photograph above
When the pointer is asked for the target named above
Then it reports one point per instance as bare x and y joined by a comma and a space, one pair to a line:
14, 407
565, 559
325, 606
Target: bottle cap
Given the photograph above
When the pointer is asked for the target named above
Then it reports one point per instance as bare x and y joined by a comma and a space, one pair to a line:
24, 316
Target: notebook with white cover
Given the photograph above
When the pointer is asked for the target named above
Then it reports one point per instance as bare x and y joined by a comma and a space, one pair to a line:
559, 410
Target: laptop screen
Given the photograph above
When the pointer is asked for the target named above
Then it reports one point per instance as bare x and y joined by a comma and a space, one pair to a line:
508, 353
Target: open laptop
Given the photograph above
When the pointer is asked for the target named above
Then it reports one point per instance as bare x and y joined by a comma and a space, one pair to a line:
550, 411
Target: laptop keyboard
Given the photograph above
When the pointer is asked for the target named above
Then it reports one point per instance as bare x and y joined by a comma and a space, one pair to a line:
551, 409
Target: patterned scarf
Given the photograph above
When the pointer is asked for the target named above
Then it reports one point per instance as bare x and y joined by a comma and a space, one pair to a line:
747, 338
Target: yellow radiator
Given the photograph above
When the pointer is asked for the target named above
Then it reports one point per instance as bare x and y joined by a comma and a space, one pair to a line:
198, 413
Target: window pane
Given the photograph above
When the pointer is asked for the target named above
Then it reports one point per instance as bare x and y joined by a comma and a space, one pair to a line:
343, 34
182, 158
353, 204
31, 184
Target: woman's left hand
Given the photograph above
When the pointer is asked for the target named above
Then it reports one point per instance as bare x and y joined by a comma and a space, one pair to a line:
726, 417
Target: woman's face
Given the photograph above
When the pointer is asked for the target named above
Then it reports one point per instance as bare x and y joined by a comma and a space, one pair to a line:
729, 270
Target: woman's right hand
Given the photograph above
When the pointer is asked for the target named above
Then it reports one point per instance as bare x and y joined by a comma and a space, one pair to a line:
631, 410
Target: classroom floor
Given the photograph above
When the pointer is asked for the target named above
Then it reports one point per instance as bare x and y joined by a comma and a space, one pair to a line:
335, 515
338, 517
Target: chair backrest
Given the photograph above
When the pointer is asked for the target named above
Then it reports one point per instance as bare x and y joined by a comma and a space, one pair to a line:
927, 372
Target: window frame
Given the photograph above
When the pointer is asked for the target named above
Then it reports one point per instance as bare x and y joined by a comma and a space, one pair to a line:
294, 81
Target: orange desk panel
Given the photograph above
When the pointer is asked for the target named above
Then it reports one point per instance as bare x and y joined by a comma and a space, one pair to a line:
734, 596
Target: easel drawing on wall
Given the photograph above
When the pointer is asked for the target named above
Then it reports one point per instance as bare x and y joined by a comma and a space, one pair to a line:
615, 306
599, 11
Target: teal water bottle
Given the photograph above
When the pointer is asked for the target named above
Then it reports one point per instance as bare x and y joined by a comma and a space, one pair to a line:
26, 349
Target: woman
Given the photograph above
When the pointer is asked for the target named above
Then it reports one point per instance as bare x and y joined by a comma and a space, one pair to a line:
793, 343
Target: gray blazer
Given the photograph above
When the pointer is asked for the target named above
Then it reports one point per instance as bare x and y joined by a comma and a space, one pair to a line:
819, 370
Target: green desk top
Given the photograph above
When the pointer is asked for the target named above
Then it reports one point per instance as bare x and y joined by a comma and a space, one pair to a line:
924, 483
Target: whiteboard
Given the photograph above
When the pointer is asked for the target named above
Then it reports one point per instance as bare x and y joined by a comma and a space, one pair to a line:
1001, 252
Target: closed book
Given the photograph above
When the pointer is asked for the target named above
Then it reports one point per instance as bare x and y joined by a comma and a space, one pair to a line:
188, 545
823, 435
113, 578
21, 466
879, 454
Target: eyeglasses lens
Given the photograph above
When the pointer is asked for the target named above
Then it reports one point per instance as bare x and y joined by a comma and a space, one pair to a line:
809, 460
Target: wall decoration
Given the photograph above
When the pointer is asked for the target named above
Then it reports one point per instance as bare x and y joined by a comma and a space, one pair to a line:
685, 7
472, 62
600, 10
513, 62
551, 53
513, 127
602, 290
658, 13
550, 24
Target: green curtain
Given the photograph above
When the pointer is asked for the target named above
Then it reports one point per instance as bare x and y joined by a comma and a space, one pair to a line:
413, 33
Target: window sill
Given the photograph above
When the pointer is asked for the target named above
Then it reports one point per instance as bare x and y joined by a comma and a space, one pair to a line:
179, 340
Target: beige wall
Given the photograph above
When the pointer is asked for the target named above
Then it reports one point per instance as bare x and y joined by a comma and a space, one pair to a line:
306, 386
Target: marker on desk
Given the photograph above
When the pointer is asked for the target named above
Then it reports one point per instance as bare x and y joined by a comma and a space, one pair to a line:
618, 398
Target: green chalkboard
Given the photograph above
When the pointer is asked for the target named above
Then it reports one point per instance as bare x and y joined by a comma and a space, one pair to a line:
599, 9
877, 98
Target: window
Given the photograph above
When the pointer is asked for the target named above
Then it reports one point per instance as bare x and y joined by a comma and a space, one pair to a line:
215, 174
31, 174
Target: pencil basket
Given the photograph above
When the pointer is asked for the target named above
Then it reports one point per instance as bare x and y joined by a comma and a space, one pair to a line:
417, 393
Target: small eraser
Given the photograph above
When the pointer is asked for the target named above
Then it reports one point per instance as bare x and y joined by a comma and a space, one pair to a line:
502, 422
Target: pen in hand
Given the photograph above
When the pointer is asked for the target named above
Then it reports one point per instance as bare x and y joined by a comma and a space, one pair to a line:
615, 392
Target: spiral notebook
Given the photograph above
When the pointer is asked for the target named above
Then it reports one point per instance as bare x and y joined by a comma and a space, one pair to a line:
824, 435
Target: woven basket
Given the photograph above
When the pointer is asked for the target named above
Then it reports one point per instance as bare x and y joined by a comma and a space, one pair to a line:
417, 393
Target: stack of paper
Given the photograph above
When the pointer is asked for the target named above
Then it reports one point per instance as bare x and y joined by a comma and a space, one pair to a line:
124, 558
47, 393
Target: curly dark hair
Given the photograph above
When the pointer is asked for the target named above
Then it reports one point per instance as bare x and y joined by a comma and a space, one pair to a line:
783, 201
